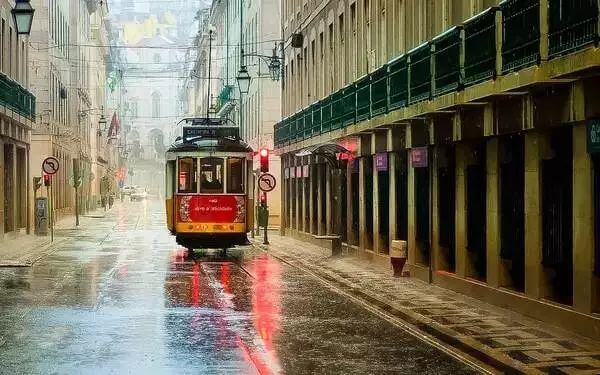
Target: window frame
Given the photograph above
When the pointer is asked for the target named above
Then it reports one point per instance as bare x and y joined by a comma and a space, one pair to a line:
242, 162
223, 180
195, 169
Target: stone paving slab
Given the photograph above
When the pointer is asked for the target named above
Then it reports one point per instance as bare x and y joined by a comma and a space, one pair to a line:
502, 338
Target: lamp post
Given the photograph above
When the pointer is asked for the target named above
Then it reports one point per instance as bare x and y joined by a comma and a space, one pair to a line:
243, 80
23, 16
101, 125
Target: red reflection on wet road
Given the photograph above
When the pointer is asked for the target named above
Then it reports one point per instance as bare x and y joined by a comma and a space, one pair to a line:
266, 302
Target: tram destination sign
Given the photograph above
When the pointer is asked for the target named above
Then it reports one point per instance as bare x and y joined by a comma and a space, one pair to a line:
191, 132
593, 136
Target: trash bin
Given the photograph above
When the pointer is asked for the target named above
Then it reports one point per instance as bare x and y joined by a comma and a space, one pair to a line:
41, 216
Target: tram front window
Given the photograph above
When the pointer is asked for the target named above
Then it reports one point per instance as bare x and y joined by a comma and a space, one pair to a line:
211, 175
235, 175
188, 179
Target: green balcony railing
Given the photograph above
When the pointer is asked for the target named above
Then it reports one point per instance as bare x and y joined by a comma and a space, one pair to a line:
419, 76
363, 98
379, 91
460, 57
349, 100
446, 55
17, 98
398, 82
572, 25
520, 33
480, 47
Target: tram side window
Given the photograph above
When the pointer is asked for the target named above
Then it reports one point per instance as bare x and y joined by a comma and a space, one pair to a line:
211, 175
235, 175
188, 175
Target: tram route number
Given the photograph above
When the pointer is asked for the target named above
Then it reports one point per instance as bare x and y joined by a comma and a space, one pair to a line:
50, 165
266, 182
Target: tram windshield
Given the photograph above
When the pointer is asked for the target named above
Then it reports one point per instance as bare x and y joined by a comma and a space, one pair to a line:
211, 175
235, 175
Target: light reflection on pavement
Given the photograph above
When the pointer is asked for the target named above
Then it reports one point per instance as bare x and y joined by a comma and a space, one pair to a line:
120, 297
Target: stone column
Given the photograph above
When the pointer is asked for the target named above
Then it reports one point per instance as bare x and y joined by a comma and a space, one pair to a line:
284, 203
15, 201
351, 236
304, 211
533, 216
412, 218
362, 208
290, 195
320, 197
583, 221
493, 214
312, 195
375, 197
2, 166
461, 214
328, 200
435, 219
393, 215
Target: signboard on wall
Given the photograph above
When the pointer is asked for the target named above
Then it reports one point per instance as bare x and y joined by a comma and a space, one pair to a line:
419, 157
593, 136
381, 162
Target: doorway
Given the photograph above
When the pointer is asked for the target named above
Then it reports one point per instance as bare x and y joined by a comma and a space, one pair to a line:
557, 217
369, 201
402, 196
9, 185
422, 202
476, 179
447, 207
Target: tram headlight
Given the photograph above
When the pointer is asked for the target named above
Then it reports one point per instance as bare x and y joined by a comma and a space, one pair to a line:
240, 209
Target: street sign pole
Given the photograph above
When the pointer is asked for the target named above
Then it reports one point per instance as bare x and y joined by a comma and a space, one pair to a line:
50, 210
76, 206
50, 166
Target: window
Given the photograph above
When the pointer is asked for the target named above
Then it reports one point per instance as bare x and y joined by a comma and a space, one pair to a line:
188, 175
211, 175
155, 105
235, 175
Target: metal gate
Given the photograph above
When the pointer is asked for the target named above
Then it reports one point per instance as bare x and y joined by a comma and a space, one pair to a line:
402, 196
596, 197
422, 208
512, 207
447, 204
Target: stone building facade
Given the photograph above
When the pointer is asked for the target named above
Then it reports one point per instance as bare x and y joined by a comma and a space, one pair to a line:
17, 116
466, 128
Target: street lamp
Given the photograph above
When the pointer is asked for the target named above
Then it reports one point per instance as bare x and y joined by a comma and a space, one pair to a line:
243, 80
23, 16
101, 125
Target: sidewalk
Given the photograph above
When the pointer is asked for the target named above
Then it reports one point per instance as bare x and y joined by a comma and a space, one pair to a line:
26, 249
505, 340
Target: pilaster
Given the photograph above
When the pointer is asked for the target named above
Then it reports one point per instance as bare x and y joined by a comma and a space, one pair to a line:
328, 200
461, 214
493, 214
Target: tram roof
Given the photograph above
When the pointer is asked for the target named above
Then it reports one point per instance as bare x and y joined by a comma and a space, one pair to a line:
224, 144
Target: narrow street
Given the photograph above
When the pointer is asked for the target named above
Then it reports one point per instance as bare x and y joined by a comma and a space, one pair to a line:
119, 296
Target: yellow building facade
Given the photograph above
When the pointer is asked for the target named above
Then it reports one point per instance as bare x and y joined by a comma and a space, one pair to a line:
466, 128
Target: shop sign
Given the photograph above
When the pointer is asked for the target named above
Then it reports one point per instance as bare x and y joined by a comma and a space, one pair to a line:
419, 157
305, 171
381, 162
298, 171
593, 136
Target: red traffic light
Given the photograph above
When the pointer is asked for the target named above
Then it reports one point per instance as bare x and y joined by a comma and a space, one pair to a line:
264, 160
263, 199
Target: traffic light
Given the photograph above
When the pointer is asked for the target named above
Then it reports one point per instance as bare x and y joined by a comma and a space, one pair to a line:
47, 180
264, 160
263, 199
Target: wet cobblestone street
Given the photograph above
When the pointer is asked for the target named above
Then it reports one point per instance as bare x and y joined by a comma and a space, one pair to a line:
119, 296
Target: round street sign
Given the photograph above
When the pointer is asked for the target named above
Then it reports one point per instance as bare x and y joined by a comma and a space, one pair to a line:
266, 182
50, 165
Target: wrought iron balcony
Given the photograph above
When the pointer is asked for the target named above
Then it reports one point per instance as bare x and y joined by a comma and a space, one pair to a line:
572, 25
17, 98
224, 96
521, 34
462, 56
480, 47
419, 76
447, 49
